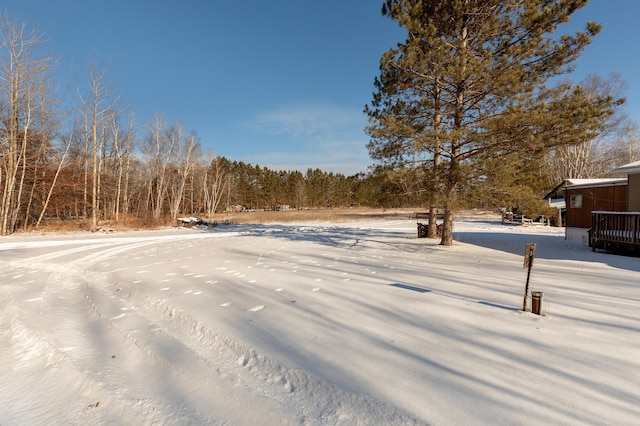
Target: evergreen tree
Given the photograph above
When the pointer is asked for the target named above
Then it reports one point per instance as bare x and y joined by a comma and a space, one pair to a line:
469, 86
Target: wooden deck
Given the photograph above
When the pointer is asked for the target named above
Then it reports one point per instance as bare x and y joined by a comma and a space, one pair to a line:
615, 230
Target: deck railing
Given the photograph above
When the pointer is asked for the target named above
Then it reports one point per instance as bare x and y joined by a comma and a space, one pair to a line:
615, 229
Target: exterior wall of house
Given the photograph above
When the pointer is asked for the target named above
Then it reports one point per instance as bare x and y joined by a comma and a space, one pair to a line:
581, 201
580, 235
634, 193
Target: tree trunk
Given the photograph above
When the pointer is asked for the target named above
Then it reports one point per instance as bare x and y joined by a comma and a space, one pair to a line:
432, 229
94, 189
447, 228
53, 184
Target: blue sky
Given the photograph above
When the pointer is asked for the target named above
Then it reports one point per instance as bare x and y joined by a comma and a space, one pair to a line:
280, 83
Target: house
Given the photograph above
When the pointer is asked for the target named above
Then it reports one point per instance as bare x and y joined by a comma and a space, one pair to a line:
555, 199
556, 195
613, 208
584, 196
620, 231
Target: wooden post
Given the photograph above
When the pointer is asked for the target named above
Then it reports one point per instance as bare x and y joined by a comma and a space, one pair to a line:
529, 254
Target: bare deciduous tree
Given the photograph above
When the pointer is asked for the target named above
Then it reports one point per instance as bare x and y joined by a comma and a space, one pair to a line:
158, 150
55, 180
123, 144
21, 77
98, 109
617, 142
215, 183
187, 155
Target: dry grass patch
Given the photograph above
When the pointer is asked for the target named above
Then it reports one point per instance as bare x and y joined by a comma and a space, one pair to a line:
261, 217
85, 225
312, 215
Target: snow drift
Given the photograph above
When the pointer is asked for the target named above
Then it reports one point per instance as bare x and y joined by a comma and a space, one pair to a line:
359, 323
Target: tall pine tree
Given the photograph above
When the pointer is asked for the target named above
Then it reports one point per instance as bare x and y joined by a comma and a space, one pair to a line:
469, 85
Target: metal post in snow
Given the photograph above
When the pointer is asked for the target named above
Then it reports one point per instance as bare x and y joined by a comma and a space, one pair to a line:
529, 254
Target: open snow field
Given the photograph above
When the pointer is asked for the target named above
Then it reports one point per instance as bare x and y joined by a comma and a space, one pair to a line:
358, 323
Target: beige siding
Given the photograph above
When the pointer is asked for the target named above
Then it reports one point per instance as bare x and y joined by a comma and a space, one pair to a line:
634, 193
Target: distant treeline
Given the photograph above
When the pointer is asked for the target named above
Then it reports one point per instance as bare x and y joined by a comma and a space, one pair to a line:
87, 159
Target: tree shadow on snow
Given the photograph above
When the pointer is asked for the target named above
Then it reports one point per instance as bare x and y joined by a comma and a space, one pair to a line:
550, 247
346, 237
452, 295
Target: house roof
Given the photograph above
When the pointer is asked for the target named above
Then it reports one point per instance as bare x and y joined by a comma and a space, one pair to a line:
591, 183
557, 191
629, 169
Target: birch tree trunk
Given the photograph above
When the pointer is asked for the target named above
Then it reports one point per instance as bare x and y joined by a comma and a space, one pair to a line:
98, 107
159, 151
188, 153
19, 80
216, 181
55, 180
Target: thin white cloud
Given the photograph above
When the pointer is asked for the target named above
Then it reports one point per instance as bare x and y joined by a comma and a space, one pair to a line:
326, 137
310, 122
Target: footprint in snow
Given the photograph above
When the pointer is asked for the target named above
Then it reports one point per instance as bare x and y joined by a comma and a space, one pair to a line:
256, 308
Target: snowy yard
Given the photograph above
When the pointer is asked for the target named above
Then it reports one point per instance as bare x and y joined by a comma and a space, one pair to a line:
358, 323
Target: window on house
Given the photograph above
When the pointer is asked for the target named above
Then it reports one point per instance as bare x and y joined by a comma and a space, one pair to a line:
576, 201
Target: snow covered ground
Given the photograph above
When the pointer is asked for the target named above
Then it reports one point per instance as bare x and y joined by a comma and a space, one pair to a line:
358, 323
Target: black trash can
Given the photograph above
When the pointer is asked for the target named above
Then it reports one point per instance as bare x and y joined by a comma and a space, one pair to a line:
536, 302
422, 230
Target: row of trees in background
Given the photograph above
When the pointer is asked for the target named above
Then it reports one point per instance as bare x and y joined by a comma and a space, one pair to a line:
444, 133
93, 162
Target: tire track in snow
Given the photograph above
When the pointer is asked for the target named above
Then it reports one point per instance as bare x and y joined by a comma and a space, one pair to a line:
60, 355
160, 342
42, 361
316, 399
91, 346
